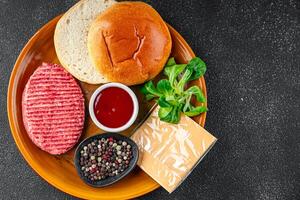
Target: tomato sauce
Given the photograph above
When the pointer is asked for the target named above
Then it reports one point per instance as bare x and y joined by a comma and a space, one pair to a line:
113, 107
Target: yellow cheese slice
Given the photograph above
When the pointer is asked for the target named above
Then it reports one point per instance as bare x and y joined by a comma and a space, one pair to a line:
169, 152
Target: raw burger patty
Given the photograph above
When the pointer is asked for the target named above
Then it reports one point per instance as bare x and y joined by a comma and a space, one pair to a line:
53, 109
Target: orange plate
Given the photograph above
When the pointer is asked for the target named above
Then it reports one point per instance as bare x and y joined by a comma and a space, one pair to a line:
59, 171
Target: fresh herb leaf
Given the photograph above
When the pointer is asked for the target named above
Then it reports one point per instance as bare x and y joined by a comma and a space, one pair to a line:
172, 100
143, 90
187, 105
149, 97
164, 87
173, 116
194, 70
195, 90
198, 68
184, 79
172, 96
173, 71
195, 111
163, 103
149, 88
171, 62
164, 111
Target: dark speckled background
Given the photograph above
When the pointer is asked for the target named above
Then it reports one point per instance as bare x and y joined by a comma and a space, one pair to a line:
253, 56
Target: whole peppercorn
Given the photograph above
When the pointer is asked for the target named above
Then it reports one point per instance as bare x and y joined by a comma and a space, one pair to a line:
118, 147
104, 158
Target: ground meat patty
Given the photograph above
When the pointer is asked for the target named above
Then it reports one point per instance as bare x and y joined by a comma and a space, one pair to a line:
53, 109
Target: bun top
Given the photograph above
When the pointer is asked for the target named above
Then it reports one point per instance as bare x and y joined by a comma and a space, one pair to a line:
129, 43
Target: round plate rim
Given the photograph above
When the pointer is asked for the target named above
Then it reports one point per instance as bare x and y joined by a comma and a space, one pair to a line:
15, 134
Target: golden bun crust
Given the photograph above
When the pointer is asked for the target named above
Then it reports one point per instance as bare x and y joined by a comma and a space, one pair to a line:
129, 43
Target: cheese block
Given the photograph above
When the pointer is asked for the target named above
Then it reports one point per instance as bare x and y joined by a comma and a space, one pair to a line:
169, 152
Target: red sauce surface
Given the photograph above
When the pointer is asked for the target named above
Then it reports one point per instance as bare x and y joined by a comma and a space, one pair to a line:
113, 107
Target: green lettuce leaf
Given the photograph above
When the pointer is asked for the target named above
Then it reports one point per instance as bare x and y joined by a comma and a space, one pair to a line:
164, 87
195, 111
198, 68
171, 95
195, 90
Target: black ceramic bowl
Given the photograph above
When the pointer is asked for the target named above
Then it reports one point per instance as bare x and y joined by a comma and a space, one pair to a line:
108, 180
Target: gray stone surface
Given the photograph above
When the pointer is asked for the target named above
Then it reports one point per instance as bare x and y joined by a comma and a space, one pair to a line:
253, 56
